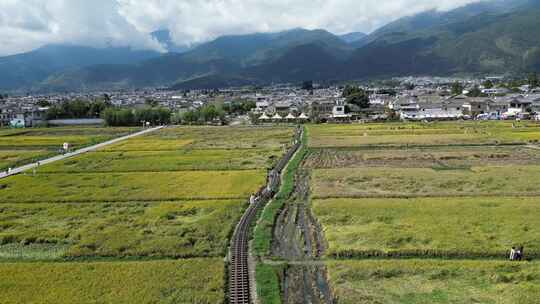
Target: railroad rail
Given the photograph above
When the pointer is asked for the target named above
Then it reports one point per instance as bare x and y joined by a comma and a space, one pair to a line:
239, 283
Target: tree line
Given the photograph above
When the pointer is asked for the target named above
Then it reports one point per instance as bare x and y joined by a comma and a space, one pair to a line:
74, 109
213, 113
116, 116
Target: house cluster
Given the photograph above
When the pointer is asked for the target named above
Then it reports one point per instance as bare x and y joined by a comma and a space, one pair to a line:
408, 98
463, 107
21, 112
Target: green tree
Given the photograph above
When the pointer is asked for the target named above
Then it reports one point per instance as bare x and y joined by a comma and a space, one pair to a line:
457, 88
190, 117
488, 84
356, 96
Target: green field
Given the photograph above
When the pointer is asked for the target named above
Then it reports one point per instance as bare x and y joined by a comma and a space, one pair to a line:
165, 229
140, 186
22, 146
437, 133
427, 212
12, 158
398, 182
434, 281
447, 227
173, 194
174, 281
153, 161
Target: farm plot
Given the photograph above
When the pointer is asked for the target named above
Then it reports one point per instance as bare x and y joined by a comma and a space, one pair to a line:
228, 138
13, 158
19, 147
472, 133
399, 182
470, 227
427, 212
434, 281
140, 186
153, 161
176, 281
432, 157
173, 194
163, 229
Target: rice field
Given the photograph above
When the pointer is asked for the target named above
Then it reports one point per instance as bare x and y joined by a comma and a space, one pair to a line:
13, 158
226, 138
418, 134
427, 212
408, 182
167, 281
423, 157
161, 229
22, 146
471, 227
147, 220
434, 281
139, 186
159, 161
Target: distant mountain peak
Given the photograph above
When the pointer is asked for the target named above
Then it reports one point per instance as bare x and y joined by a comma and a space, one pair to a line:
352, 37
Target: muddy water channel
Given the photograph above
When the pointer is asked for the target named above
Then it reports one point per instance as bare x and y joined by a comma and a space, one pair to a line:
298, 239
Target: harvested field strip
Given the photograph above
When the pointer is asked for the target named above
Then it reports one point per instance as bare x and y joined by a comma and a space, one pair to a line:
423, 140
164, 229
422, 157
425, 281
423, 182
186, 160
128, 186
178, 281
469, 227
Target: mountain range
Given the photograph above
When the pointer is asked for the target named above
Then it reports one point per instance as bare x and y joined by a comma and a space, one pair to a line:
498, 36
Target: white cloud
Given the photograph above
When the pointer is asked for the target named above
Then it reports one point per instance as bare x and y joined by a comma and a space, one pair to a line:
27, 24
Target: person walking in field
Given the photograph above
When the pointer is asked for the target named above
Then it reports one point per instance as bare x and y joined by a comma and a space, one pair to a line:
513, 254
519, 253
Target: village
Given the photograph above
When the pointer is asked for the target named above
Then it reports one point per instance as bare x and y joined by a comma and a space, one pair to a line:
406, 98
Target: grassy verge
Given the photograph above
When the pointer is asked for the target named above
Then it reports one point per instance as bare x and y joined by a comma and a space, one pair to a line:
268, 288
262, 238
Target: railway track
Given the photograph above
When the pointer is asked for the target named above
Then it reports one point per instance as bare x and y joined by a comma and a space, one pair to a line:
239, 281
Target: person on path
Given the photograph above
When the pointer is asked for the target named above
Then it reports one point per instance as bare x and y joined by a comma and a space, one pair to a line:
513, 253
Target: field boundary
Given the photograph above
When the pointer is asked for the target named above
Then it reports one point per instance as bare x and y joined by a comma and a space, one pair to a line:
439, 195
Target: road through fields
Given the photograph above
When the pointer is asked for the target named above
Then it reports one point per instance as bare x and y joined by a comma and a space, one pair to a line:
75, 153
